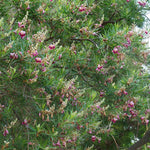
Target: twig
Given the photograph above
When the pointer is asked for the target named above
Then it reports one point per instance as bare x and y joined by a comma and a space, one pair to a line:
115, 142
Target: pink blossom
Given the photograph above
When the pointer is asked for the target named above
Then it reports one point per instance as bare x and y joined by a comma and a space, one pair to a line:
125, 92
131, 104
44, 69
30, 143
51, 47
13, 55
146, 32
35, 53
98, 106
20, 25
90, 132
125, 45
99, 67
102, 94
5, 132
114, 120
142, 118
115, 50
125, 114
28, 7
64, 143
99, 140
38, 60
93, 138
128, 0
128, 41
142, 4
77, 21
118, 117
25, 122
121, 67
82, 8
146, 121
130, 33
60, 56
147, 111
22, 34
69, 140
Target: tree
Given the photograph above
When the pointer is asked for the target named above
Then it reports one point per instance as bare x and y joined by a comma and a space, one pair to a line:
71, 74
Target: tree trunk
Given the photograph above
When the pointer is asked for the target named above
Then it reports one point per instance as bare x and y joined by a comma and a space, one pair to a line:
141, 142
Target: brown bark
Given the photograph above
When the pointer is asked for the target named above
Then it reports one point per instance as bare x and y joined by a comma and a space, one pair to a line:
141, 142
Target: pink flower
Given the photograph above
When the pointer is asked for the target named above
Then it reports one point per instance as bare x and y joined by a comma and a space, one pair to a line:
142, 118
114, 120
115, 50
102, 94
128, 0
99, 140
146, 32
38, 60
93, 138
121, 67
30, 143
125, 114
131, 104
148, 146
25, 122
35, 53
125, 92
125, 45
128, 41
51, 47
13, 55
99, 67
28, 7
5, 132
90, 132
142, 4
82, 8
58, 143
130, 33
60, 56
51, 0
147, 111
22, 34
44, 69
69, 140
19, 24
146, 121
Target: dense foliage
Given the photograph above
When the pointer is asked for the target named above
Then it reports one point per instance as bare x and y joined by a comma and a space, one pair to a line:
71, 74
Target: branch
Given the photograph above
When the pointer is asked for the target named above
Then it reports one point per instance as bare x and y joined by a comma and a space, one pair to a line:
90, 40
50, 38
141, 142
112, 22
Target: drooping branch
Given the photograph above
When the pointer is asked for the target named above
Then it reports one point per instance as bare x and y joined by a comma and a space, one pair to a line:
141, 142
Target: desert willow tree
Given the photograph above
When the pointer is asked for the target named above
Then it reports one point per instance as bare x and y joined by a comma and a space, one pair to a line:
71, 74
